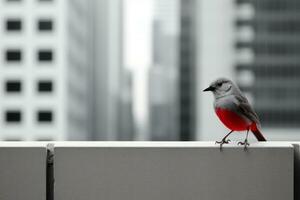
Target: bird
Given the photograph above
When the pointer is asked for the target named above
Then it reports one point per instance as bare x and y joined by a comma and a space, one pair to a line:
234, 110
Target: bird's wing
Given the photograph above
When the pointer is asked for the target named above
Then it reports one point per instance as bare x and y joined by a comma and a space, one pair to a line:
245, 108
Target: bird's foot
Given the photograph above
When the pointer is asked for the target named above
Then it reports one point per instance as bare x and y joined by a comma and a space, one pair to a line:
223, 141
245, 144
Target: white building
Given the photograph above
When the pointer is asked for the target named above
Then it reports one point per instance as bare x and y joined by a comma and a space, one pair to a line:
110, 78
163, 74
45, 69
215, 58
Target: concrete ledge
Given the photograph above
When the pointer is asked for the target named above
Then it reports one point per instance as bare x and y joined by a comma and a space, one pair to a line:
22, 171
172, 170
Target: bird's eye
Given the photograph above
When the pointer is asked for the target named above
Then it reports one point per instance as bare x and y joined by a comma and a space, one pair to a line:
219, 84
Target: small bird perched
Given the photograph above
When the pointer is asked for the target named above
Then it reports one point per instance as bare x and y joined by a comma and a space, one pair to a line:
234, 110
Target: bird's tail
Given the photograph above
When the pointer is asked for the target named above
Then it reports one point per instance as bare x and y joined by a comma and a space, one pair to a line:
259, 136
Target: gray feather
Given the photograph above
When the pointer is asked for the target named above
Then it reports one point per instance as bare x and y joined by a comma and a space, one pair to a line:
245, 108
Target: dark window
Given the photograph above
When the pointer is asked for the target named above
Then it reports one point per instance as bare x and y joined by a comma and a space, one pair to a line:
13, 25
45, 25
12, 139
13, 116
13, 0
45, 116
44, 139
45, 55
45, 86
13, 56
13, 86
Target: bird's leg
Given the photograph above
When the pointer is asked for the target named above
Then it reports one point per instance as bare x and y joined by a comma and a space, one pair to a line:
245, 143
224, 141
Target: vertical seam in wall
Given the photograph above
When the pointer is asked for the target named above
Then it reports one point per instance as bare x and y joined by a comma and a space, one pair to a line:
296, 173
49, 172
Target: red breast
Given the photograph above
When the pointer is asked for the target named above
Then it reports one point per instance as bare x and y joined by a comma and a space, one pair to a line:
233, 121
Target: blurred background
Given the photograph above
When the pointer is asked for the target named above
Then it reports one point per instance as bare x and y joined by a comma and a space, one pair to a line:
135, 69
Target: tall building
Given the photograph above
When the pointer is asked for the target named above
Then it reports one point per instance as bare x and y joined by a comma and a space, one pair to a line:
215, 57
163, 74
255, 44
268, 67
45, 69
126, 122
187, 70
112, 88
172, 79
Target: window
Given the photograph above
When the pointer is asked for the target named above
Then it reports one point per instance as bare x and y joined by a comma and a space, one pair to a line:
13, 55
13, 25
44, 139
45, 25
13, 116
45, 116
13, 86
11, 139
45, 86
13, 0
45, 55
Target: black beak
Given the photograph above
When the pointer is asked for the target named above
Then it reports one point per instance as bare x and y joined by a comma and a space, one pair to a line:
210, 88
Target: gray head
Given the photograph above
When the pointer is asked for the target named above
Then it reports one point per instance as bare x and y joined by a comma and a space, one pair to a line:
222, 87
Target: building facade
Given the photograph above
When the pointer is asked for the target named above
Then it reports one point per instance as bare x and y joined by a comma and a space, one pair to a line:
45, 70
256, 44
172, 78
163, 75
112, 105
215, 57
187, 70
268, 49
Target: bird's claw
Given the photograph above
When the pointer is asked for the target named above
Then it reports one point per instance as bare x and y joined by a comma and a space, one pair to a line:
224, 141
245, 144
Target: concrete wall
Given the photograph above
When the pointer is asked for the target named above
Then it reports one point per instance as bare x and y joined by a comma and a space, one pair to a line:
23, 171
172, 171
149, 170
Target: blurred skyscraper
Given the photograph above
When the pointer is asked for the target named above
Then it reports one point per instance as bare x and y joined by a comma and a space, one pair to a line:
215, 55
45, 69
269, 64
112, 88
163, 75
126, 123
187, 69
255, 43
172, 76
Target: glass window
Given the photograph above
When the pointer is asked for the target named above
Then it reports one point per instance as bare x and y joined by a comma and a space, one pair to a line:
12, 139
13, 25
45, 116
45, 25
13, 86
13, 55
45, 55
13, 116
44, 139
45, 86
